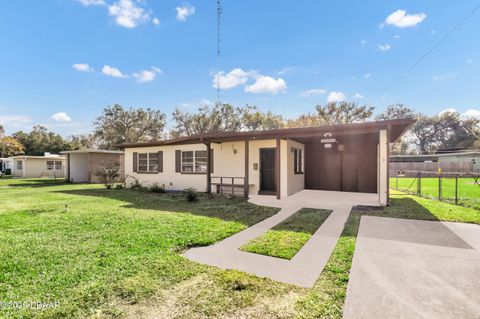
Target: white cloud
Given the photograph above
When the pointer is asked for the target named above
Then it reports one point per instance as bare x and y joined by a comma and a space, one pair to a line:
61, 117
82, 67
396, 36
127, 14
147, 75
15, 120
469, 61
471, 113
383, 47
358, 96
184, 12
287, 70
312, 92
231, 79
266, 84
155, 21
367, 75
363, 43
113, 72
336, 97
401, 19
442, 77
87, 3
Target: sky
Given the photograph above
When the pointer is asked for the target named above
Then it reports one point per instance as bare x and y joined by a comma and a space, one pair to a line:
63, 61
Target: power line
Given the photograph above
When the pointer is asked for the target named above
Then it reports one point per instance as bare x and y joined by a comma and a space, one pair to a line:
424, 56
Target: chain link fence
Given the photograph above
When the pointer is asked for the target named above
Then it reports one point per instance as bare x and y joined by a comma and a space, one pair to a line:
453, 187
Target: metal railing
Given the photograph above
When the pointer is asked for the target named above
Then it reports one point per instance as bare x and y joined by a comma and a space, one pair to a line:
457, 188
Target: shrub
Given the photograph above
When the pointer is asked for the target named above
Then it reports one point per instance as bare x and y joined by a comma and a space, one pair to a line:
156, 188
118, 186
109, 173
191, 194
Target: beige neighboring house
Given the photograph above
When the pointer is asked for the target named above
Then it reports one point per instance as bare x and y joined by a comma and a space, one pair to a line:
49, 165
84, 165
281, 162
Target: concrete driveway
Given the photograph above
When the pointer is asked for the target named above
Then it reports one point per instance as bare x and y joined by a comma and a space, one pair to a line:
414, 269
305, 267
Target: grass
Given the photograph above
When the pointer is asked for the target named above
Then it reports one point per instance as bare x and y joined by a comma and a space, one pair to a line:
468, 191
117, 254
287, 238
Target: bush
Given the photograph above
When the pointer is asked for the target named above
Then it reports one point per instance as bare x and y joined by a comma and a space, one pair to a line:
109, 173
118, 186
8, 171
156, 188
191, 194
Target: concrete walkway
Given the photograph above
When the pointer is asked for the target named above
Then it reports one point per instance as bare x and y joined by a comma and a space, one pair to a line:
414, 269
305, 267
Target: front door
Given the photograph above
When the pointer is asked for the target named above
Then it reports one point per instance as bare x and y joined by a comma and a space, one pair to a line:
267, 171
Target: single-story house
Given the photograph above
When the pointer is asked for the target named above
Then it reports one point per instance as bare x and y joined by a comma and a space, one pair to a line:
49, 165
5, 164
458, 161
84, 165
280, 162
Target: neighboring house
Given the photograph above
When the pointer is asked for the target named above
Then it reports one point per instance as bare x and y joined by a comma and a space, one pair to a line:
459, 161
6, 163
84, 165
48, 165
350, 158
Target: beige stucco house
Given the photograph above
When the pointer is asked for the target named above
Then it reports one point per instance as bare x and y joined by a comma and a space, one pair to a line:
48, 165
348, 158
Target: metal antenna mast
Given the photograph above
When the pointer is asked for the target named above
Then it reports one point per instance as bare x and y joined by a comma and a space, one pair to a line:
219, 15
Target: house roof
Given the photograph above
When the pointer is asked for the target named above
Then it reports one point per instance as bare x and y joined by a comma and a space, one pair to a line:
59, 157
397, 128
85, 151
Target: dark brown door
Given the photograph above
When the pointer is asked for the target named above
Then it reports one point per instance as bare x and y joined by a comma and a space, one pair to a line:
267, 170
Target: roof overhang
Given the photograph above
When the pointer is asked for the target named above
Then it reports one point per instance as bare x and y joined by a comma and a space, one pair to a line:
396, 128
86, 151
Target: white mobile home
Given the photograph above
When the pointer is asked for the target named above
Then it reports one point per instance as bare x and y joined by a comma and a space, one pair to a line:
39, 166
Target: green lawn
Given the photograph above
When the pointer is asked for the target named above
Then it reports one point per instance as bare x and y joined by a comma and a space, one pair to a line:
468, 191
287, 238
117, 254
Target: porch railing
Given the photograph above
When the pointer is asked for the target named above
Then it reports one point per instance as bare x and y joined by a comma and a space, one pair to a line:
229, 183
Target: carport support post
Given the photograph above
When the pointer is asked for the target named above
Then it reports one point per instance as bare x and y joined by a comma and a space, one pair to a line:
245, 180
209, 170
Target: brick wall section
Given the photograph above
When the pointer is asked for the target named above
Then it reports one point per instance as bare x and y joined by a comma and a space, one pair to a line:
98, 161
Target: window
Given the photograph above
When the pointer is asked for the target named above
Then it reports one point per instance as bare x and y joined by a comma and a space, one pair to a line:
148, 162
50, 165
194, 161
20, 165
298, 161
58, 165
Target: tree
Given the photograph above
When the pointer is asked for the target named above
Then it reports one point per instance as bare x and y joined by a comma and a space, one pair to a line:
343, 112
117, 126
256, 120
81, 141
333, 113
2, 132
222, 117
396, 111
40, 140
10, 147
